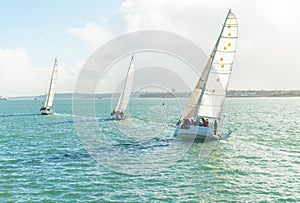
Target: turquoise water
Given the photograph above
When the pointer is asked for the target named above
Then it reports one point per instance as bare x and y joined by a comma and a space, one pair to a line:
42, 158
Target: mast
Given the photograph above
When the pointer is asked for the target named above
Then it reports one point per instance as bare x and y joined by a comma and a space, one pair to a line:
209, 69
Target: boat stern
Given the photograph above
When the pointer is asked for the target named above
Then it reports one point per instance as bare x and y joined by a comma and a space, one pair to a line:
46, 111
117, 116
195, 132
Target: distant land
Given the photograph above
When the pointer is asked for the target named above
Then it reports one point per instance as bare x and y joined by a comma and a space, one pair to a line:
230, 93
263, 93
234, 93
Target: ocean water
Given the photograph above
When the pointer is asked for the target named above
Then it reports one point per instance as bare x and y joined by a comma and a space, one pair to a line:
44, 158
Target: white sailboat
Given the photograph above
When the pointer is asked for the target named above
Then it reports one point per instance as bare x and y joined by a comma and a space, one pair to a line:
201, 116
46, 109
120, 110
3, 98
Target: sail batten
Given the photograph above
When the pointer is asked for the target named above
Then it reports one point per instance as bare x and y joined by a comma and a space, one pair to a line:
222, 73
229, 37
226, 51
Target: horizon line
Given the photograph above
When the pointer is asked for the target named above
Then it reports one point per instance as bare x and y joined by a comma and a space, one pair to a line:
181, 92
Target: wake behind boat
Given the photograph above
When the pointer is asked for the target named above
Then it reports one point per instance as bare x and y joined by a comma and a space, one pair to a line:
119, 112
46, 109
203, 113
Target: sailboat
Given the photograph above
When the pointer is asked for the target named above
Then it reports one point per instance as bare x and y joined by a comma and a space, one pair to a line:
3, 98
204, 110
46, 109
119, 112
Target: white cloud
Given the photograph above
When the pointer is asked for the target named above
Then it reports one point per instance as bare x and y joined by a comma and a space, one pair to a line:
187, 18
267, 31
14, 65
8, 58
268, 34
92, 34
67, 77
18, 78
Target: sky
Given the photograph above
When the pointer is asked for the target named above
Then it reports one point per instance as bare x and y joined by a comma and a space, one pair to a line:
34, 32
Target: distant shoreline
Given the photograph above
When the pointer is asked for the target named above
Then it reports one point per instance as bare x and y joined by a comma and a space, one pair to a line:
234, 93
230, 94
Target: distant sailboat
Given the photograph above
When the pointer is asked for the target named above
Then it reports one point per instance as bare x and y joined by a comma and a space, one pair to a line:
119, 112
46, 109
203, 112
3, 98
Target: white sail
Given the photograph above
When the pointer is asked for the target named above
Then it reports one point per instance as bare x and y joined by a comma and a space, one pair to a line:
209, 94
191, 108
50, 95
125, 95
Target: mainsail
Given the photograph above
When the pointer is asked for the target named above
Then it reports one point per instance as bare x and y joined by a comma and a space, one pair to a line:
208, 97
125, 95
191, 108
50, 95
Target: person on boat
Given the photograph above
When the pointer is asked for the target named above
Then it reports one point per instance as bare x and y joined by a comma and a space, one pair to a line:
113, 113
122, 114
203, 122
206, 123
215, 127
192, 121
185, 123
178, 122
188, 122
197, 122
45, 108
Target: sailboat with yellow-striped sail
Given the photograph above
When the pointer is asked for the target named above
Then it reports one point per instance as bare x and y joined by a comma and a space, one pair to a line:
204, 110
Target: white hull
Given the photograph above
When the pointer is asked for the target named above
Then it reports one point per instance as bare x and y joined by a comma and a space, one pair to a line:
197, 132
117, 116
46, 112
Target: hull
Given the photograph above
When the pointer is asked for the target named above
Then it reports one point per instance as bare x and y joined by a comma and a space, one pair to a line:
117, 116
199, 133
46, 112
